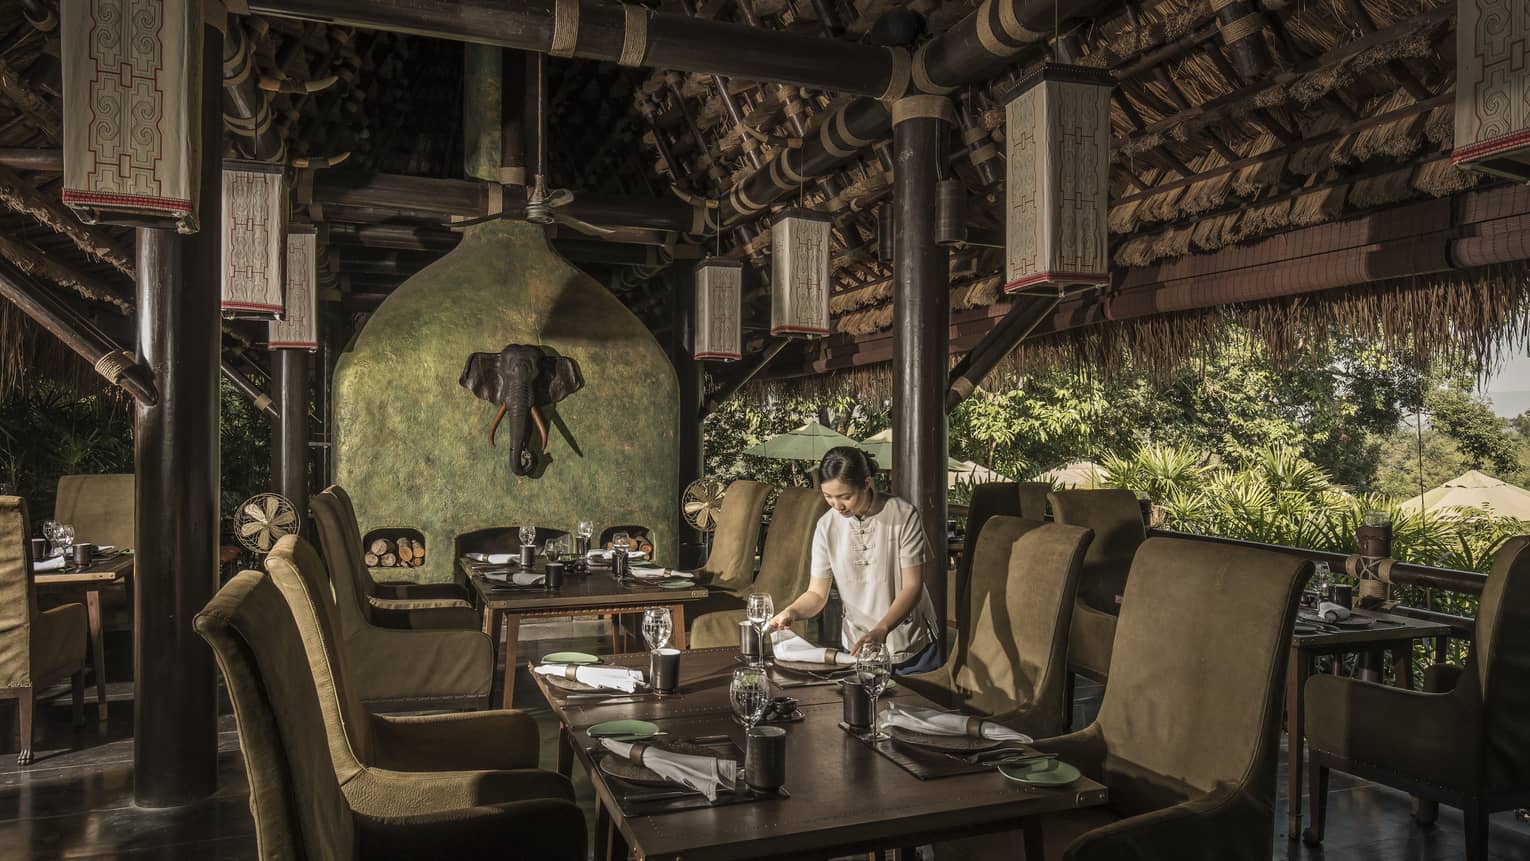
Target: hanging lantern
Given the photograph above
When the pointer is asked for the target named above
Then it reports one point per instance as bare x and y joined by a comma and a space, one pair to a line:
298, 329
132, 111
1493, 88
799, 274
1057, 130
719, 304
254, 230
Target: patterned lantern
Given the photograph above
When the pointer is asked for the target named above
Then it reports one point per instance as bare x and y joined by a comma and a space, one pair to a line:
1057, 130
298, 329
799, 274
719, 302
1493, 87
254, 230
132, 110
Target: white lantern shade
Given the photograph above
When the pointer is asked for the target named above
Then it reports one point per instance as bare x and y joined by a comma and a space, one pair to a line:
1492, 129
799, 274
1057, 131
298, 329
132, 110
254, 239
719, 304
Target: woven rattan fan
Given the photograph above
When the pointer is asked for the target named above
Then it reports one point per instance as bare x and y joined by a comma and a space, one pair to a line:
263, 519
701, 503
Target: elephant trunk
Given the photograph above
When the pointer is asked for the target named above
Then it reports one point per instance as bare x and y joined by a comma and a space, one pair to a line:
518, 407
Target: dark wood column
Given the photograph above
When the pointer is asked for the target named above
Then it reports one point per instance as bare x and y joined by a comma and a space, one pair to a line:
175, 742
289, 430
692, 376
921, 312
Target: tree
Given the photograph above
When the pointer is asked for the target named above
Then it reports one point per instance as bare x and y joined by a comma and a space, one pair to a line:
1483, 438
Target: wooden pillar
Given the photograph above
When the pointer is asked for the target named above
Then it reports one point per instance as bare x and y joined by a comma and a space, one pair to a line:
289, 430
921, 335
175, 742
692, 376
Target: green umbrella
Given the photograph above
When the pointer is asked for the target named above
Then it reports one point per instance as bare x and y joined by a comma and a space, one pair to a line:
879, 446
809, 442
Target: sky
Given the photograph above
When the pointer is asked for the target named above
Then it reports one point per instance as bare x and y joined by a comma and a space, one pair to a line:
1509, 389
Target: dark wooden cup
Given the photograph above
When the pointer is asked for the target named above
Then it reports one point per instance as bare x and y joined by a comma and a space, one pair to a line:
664, 670
528, 555
858, 704
749, 640
82, 554
765, 758
39, 549
552, 576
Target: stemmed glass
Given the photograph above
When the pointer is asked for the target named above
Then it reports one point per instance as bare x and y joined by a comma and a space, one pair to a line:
750, 695
657, 627
528, 535
758, 610
873, 667
552, 549
50, 532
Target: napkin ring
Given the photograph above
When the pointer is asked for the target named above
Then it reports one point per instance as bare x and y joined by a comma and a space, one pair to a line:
831, 656
974, 727
635, 753
571, 672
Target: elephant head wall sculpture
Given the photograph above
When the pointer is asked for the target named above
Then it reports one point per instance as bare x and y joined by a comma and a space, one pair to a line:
521, 378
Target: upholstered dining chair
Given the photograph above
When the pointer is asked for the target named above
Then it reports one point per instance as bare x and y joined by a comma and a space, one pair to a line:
1466, 743
989, 499
390, 605
1012, 666
785, 565
1116, 520
100, 507
37, 648
729, 567
1033, 499
386, 763
300, 809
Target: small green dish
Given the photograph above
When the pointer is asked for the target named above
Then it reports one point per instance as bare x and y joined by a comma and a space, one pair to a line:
570, 658
677, 583
626, 730
1046, 772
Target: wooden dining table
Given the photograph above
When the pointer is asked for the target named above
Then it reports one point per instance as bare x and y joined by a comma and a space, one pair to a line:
592, 594
843, 796
86, 583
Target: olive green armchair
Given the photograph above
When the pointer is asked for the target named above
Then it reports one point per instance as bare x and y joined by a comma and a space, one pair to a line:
1012, 667
299, 807
989, 499
729, 569
1115, 517
784, 567
37, 647
1033, 499
100, 507
390, 605
1465, 742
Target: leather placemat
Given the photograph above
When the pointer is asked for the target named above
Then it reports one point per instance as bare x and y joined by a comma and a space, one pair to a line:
634, 799
923, 764
941, 743
785, 677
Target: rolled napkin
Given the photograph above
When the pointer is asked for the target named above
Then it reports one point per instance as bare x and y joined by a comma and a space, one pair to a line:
787, 646
605, 555
1331, 612
494, 558
615, 678
662, 574
54, 564
519, 578
705, 774
934, 722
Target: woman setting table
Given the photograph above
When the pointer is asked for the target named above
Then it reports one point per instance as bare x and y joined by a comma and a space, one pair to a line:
872, 546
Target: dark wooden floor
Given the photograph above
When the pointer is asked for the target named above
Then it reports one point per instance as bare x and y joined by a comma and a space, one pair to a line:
76, 801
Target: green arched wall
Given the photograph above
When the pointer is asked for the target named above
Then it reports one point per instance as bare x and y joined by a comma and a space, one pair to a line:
412, 445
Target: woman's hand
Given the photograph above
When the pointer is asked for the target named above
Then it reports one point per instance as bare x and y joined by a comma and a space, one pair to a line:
876, 635
781, 620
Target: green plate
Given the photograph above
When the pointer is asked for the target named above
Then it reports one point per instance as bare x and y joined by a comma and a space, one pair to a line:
570, 658
1047, 772
677, 583
623, 729
891, 683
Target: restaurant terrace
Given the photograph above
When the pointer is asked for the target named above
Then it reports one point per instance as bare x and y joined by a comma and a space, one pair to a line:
476, 273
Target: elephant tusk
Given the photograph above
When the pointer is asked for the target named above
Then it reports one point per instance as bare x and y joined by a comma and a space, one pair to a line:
494, 426
536, 416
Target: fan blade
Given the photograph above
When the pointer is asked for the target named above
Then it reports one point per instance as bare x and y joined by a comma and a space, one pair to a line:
273, 505
582, 226
693, 507
285, 518
251, 528
265, 539
558, 197
252, 510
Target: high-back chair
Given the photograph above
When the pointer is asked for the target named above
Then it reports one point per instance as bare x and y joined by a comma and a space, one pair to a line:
1012, 666
1115, 517
1467, 744
388, 765
299, 808
37, 648
989, 499
785, 566
737, 536
100, 507
392, 605
1033, 499
1188, 734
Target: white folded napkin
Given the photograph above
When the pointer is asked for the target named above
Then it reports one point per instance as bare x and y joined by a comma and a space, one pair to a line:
494, 558
705, 774
662, 574
54, 564
519, 578
105, 549
787, 646
615, 678
597, 553
934, 722
1331, 612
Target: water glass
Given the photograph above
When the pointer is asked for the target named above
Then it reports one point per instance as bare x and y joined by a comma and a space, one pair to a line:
657, 627
550, 550
50, 532
585, 529
873, 667
528, 535
750, 694
758, 610
1377, 518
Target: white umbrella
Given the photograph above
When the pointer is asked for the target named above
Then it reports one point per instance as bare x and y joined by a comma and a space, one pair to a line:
1081, 474
1473, 489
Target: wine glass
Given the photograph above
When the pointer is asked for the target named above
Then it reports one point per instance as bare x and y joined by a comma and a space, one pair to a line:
565, 548
528, 535
657, 627
873, 667
750, 695
1322, 579
50, 532
550, 550
759, 609
586, 528
65, 537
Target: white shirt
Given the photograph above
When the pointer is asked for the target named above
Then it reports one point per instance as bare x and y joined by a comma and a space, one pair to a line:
865, 557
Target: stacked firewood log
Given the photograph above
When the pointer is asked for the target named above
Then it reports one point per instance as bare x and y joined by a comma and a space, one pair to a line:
402, 552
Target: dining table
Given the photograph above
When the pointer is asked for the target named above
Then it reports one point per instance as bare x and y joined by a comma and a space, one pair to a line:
595, 593
1383, 632
841, 795
86, 582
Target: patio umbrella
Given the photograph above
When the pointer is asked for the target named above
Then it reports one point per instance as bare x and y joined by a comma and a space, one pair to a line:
1473, 489
879, 446
1084, 474
809, 442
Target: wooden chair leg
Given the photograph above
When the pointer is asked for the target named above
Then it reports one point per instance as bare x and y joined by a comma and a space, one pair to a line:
24, 725
1475, 818
1317, 791
77, 691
